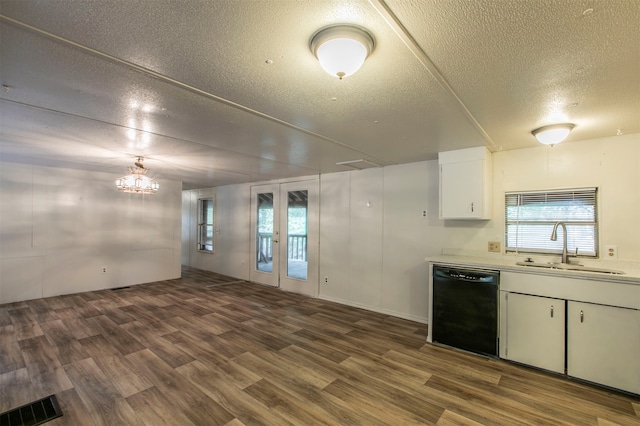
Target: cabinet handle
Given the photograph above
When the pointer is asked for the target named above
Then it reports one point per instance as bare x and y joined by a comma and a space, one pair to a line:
551, 311
581, 316
471, 207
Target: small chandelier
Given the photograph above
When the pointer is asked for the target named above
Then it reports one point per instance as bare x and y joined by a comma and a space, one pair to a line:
341, 49
136, 181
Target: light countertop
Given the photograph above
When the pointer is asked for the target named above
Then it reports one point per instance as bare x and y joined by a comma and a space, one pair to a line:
508, 263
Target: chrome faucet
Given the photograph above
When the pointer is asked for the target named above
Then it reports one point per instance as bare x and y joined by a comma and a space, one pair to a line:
554, 237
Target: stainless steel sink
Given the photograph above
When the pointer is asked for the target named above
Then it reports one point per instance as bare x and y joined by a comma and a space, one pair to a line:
570, 267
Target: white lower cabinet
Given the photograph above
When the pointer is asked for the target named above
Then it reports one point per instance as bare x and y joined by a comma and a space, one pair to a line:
603, 345
535, 331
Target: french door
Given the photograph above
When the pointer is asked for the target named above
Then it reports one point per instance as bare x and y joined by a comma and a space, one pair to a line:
284, 236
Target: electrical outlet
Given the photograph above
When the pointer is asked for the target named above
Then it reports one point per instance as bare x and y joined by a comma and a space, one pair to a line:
104, 269
611, 252
494, 247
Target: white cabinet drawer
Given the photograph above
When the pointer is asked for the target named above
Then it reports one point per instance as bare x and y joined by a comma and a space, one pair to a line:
582, 290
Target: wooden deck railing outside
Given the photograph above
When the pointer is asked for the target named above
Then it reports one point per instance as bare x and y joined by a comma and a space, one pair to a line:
296, 248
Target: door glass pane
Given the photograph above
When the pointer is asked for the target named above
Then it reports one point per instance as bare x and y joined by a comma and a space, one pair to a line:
297, 265
264, 234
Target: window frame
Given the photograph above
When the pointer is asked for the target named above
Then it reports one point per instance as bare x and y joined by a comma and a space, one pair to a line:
552, 198
201, 225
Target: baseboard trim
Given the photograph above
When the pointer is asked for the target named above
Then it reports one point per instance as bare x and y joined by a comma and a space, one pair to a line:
376, 309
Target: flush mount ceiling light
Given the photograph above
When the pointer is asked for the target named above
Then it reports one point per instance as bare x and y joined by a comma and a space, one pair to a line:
341, 49
136, 182
552, 134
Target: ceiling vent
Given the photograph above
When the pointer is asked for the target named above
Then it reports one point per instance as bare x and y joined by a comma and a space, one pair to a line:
358, 164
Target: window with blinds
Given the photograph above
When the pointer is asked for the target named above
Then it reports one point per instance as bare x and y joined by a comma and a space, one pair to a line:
205, 224
530, 217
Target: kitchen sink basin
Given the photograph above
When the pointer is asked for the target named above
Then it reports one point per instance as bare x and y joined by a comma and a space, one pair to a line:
569, 267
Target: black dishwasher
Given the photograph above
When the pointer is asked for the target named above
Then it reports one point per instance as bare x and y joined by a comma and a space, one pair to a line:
465, 309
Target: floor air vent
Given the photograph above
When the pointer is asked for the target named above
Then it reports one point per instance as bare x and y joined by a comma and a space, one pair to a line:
35, 413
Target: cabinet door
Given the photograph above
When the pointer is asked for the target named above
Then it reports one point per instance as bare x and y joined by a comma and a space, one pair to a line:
461, 186
536, 331
603, 345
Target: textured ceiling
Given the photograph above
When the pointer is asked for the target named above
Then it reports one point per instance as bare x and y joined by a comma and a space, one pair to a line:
213, 93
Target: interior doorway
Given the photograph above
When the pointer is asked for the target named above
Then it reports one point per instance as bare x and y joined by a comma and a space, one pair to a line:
284, 236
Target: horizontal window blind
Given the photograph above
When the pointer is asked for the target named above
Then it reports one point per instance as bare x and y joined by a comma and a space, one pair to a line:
530, 218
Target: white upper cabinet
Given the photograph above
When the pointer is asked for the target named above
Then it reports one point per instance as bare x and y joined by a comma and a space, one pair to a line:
465, 183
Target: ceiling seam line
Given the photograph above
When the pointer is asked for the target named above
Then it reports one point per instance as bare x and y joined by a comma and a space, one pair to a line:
394, 23
68, 114
185, 86
103, 167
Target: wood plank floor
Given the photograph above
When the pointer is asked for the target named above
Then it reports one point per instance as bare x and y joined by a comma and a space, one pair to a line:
209, 350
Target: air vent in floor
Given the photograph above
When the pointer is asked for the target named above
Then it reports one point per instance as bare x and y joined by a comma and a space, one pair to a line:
35, 413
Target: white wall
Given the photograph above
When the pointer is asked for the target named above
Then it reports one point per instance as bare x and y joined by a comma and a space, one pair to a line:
373, 239
59, 227
335, 235
611, 164
232, 230
365, 214
373, 255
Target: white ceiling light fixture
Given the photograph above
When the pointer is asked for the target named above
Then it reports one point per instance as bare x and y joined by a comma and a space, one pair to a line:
341, 49
552, 134
136, 181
